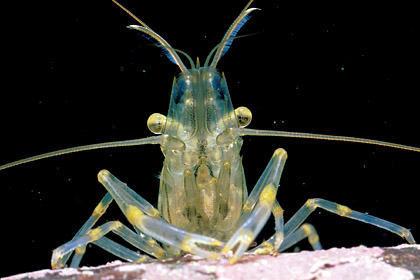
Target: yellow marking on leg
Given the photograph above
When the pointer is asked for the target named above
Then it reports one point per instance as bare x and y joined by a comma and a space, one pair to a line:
97, 233
265, 244
140, 260
134, 215
99, 210
94, 233
152, 241
279, 153
56, 257
187, 245
311, 204
278, 210
268, 194
405, 233
343, 210
159, 253
188, 240
313, 237
247, 207
103, 176
246, 236
80, 250
117, 224
266, 248
307, 229
154, 213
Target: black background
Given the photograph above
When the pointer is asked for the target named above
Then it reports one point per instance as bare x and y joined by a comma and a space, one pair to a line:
75, 75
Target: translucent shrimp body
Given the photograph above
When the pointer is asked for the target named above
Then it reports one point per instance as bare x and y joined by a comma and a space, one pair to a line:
203, 204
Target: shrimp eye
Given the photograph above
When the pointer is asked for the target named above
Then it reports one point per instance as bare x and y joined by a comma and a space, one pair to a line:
243, 116
156, 123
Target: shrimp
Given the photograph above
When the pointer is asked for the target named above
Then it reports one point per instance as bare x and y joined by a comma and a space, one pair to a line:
202, 173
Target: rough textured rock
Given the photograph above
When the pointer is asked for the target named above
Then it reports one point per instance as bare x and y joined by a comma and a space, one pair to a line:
401, 262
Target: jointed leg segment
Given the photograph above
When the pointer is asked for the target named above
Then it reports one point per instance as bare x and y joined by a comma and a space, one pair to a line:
258, 207
304, 231
97, 236
344, 211
150, 226
97, 213
147, 219
294, 231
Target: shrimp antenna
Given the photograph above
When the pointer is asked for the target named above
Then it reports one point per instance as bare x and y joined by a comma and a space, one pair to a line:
135, 142
218, 45
256, 132
227, 40
168, 50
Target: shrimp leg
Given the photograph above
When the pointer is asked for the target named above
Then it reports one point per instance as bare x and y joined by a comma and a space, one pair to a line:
295, 232
258, 207
147, 219
97, 236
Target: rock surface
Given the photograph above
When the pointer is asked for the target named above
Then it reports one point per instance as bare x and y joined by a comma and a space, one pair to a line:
401, 262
